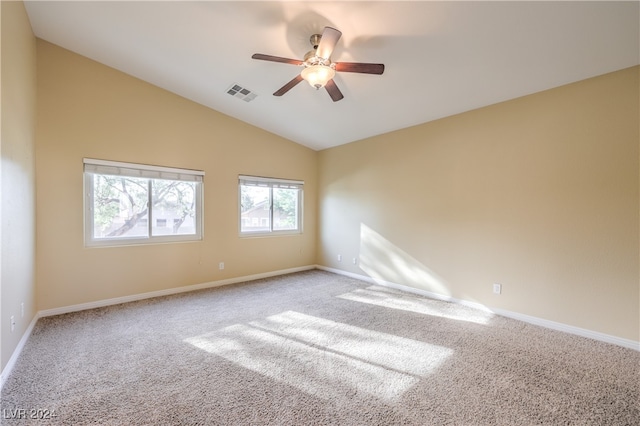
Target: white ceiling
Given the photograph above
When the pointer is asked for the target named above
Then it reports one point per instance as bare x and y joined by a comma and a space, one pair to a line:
441, 58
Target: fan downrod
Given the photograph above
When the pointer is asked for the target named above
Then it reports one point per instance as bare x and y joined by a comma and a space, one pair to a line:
315, 40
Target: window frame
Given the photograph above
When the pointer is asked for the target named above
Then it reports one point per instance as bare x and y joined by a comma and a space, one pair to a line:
271, 183
92, 167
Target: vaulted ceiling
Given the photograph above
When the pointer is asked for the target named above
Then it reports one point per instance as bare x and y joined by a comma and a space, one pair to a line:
441, 58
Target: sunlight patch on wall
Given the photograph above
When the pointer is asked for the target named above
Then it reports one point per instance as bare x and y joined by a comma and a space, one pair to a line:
388, 298
325, 358
385, 262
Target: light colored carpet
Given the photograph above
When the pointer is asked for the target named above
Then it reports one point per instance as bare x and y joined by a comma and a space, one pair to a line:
314, 348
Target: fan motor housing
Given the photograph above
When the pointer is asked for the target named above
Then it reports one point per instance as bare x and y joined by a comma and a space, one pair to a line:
310, 59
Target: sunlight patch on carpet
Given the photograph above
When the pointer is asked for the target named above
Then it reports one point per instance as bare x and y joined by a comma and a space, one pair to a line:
389, 298
325, 358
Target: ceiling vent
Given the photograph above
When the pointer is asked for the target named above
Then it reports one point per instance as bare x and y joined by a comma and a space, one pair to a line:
241, 93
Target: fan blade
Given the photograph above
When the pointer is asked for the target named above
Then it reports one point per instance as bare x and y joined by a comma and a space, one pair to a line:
276, 59
330, 37
333, 91
284, 89
360, 67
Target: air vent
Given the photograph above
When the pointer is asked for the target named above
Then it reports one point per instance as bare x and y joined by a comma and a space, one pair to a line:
241, 93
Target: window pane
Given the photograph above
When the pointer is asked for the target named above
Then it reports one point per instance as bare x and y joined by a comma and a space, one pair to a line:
285, 209
254, 209
174, 207
119, 207
128, 203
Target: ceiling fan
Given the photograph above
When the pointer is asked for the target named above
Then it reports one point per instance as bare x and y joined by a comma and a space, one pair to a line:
319, 70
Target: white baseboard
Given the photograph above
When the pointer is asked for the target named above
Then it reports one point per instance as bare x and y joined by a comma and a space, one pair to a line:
607, 338
16, 353
167, 292
117, 300
631, 344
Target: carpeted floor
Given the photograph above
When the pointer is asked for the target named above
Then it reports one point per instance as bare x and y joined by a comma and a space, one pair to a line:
313, 348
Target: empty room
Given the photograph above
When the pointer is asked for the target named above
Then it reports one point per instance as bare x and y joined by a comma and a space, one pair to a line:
297, 213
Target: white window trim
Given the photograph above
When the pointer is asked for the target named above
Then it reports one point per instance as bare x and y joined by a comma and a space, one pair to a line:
271, 183
116, 168
265, 181
106, 167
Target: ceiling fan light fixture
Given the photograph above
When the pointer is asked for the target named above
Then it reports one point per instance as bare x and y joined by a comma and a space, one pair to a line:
318, 69
318, 75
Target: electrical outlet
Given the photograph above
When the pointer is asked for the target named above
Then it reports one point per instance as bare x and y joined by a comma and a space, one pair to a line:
497, 288
13, 323
22, 310
355, 261
221, 265
339, 258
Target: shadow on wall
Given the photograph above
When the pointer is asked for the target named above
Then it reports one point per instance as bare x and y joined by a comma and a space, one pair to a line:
386, 263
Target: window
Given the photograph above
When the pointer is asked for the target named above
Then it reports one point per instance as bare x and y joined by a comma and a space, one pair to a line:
270, 206
135, 204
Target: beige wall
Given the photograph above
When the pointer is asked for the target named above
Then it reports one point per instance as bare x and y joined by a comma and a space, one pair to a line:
539, 194
17, 175
86, 109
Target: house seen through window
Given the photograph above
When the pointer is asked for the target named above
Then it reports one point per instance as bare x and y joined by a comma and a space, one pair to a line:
270, 205
129, 203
